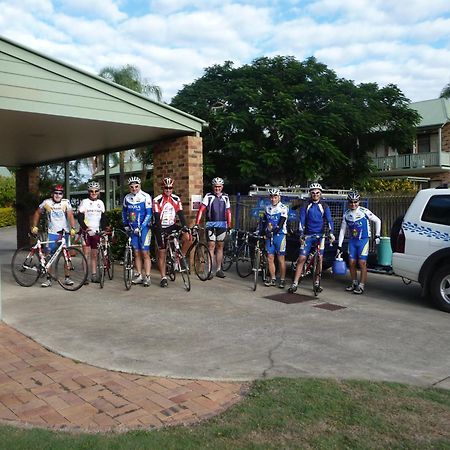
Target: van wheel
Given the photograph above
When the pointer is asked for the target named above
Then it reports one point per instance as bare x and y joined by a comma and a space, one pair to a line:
395, 229
440, 288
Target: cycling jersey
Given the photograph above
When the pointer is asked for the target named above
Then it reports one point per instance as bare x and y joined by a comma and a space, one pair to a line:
137, 210
92, 211
167, 206
275, 216
218, 211
56, 214
312, 218
358, 222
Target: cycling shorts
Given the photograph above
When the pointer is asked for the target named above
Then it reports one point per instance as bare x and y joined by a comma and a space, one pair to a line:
54, 241
358, 249
91, 241
162, 240
278, 245
216, 234
142, 242
310, 241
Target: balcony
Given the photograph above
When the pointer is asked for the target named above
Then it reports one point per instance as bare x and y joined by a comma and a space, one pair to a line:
413, 162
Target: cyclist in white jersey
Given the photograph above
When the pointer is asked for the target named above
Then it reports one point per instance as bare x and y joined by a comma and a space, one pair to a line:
60, 217
92, 219
357, 220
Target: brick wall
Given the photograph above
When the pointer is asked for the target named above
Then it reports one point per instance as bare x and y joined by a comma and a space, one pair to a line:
446, 138
27, 197
182, 160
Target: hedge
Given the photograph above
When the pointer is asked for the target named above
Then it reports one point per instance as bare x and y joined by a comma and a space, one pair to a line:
7, 217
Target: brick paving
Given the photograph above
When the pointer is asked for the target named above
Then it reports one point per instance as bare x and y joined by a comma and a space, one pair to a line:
40, 388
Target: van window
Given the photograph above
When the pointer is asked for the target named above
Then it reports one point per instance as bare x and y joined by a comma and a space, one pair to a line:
437, 210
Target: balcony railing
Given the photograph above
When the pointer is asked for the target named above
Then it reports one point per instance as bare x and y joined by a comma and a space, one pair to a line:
412, 161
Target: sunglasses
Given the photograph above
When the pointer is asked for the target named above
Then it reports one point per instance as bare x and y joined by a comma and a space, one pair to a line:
93, 192
134, 186
315, 193
353, 202
57, 193
168, 188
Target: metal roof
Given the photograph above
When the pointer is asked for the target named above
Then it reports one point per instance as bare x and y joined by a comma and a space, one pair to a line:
51, 111
434, 112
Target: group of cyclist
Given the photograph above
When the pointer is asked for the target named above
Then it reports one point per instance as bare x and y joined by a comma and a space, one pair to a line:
165, 214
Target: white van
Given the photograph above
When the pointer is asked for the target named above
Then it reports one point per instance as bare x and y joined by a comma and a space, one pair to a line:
421, 248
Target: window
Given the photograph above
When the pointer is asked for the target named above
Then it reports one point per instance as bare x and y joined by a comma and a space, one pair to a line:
423, 143
438, 210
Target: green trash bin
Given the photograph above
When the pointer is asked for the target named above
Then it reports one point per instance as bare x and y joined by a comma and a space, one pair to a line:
385, 252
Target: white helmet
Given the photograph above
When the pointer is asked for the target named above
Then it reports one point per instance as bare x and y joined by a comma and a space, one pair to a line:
93, 185
167, 182
353, 196
274, 191
217, 181
132, 180
313, 186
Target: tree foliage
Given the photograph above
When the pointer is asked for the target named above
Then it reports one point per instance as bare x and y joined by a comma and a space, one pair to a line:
7, 191
445, 93
284, 122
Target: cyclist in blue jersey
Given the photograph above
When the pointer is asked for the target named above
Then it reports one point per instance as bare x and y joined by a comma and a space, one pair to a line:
136, 216
314, 216
273, 226
357, 220
218, 222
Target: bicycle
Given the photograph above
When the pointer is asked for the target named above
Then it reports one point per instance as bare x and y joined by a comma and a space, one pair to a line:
128, 260
259, 262
313, 264
105, 260
244, 256
29, 264
202, 257
175, 260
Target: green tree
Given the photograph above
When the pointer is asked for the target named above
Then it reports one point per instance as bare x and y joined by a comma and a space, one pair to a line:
130, 77
445, 93
281, 121
7, 191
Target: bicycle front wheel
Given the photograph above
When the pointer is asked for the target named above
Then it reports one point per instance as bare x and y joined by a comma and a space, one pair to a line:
184, 270
109, 263
25, 266
316, 274
101, 269
244, 261
128, 268
256, 267
227, 255
71, 269
202, 261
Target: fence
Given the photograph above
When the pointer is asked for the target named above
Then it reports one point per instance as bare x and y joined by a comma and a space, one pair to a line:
246, 210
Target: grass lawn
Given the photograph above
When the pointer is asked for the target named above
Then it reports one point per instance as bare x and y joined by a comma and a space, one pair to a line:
286, 413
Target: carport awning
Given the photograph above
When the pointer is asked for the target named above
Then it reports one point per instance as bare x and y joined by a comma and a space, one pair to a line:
50, 111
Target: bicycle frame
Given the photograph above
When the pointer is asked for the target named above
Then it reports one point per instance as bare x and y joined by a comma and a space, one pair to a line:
44, 265
260, 264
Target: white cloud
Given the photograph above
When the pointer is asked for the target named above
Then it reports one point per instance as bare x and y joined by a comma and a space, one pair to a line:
172, 41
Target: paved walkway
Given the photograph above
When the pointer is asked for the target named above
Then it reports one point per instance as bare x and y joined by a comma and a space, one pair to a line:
40, 388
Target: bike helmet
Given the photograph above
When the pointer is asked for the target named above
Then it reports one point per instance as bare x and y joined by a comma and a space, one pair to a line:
353, 196
167, 182
217, 181
274, 191
313, 186
58, 187
133, 180
93, 185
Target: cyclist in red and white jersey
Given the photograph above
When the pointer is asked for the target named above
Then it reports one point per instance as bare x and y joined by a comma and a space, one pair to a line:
167, 207
217, 207
92, 219
59, 213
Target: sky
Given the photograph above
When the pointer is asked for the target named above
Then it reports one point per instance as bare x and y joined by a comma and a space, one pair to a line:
171, 42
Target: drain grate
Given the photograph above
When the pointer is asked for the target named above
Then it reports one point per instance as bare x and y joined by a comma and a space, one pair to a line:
330, 306
290, 298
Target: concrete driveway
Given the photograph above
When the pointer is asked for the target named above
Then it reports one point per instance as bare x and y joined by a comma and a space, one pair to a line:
223, 330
